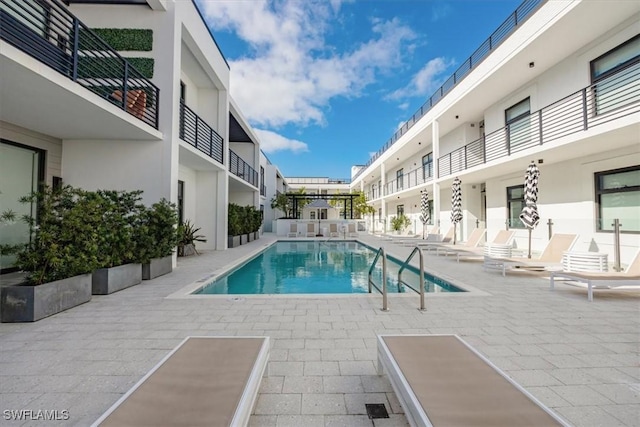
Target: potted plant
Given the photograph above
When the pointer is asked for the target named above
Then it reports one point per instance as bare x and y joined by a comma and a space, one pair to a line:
187, 238
119, 267
400, 222
234, 226
248, 223
60, 257
156, 238
257, 223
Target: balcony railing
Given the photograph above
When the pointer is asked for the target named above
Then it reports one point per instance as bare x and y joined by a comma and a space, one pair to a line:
408, 180
196, 132
521, 14
240, 168
47, 31
610, 99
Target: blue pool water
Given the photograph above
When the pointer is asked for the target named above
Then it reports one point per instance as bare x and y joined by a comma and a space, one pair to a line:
316, 268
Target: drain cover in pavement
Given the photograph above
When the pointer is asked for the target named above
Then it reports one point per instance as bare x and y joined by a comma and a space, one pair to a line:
376, 410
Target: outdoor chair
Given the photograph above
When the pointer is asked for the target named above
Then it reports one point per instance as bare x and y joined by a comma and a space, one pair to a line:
551, 256
503, 238
608, 280
440, 380
435, 240
333, 230
136, 101
203, 381
473, 241
351, 229
311, 229
293, 230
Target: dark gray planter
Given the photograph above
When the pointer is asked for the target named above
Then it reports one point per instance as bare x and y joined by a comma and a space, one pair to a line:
256, 235
233, 241
157, 267
30, 303
243, 239
251, 237
109, 280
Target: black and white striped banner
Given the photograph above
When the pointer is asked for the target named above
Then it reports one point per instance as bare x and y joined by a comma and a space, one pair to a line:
456, 201
529, 215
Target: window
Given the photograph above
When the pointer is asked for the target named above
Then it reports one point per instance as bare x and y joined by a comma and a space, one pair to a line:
400, 210
612, 76
263, 188
518, 124
183, 91
21, 173
380, 214
427, 166
618, 197
312, 215
180, 201
399, 176
323, 214
515, 203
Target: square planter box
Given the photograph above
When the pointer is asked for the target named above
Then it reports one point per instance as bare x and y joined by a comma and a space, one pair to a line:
243, 239
157, 267
109, 280
233, 241
251, 237
30, 303
256, 235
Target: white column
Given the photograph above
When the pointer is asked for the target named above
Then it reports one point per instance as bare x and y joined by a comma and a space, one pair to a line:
383, 202
435, 144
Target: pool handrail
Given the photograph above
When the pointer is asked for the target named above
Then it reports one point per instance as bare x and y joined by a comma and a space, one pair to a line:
385, 303
404, 265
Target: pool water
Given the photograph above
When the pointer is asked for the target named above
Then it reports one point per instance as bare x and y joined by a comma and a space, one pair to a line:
318, 267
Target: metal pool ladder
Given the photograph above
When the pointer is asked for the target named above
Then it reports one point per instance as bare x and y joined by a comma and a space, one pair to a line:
383, 291
401, 282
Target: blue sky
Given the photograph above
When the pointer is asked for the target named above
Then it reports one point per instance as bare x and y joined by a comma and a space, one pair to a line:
325, 83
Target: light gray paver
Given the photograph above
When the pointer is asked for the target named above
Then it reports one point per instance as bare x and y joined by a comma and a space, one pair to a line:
578, 358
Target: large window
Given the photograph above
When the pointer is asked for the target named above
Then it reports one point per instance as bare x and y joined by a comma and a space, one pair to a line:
180, 202
400, 210
618, 197
427, 166
518, 125
515, 203
21, 172
399, 179
263, 188
614, 76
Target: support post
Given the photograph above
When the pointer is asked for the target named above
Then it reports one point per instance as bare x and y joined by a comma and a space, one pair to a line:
550, 225
616, 244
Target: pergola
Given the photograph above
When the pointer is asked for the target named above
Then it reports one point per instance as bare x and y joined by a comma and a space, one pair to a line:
295, 199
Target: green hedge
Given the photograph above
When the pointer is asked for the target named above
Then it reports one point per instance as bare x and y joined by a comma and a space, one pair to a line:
113, 67
124, 39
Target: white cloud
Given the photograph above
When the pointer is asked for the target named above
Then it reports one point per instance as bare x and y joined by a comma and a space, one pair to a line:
440, 10
270, 142
425, 81
403, 106
400, 125
291, 74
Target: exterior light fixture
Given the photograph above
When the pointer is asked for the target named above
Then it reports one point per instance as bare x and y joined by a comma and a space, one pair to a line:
532, 64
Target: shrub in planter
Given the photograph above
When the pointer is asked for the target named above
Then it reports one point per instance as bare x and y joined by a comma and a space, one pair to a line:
399, 223
59, 258
187, 238
118, 257
156, 237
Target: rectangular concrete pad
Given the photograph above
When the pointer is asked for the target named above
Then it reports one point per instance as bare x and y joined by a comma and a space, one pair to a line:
199, 384
455, 387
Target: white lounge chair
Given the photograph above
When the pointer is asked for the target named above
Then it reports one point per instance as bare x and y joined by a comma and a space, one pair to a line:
629, 278
432, 235
473, 241
502, 238
333, 230
551, 256
311, 229
351, 229
438, 240
293, 230
440, 380
203, 381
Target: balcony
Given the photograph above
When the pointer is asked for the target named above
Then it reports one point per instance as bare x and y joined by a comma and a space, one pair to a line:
196, 132
520, 15
49, 33
608, 100
241, 169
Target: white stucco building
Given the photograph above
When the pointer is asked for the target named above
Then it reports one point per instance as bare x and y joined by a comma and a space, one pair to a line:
557, 84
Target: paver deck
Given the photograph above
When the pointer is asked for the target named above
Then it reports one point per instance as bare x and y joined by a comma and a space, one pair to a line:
579, 358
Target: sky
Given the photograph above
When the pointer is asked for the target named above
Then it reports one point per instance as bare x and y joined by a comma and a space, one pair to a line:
326, 83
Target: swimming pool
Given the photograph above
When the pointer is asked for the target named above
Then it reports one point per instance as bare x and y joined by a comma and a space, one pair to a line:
306, 267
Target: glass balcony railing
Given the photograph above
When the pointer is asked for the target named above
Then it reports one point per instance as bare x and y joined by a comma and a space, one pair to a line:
240, 168
196, 132
47, 31
608, 100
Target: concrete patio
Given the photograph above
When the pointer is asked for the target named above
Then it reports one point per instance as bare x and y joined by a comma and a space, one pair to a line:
579, 358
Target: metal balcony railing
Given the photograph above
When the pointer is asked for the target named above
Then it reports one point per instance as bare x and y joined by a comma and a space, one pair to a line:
47, 31
196, 132
609, 99
410, 179
240, 168
521, 14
